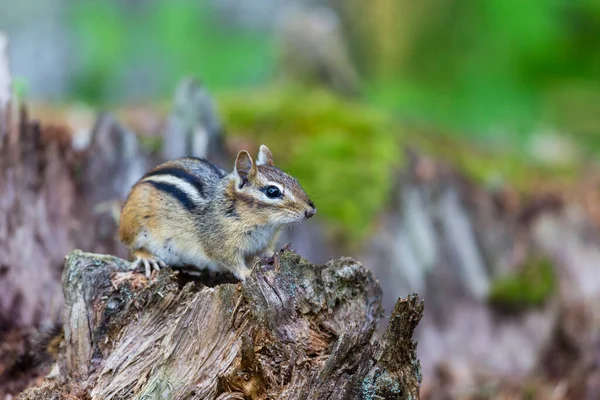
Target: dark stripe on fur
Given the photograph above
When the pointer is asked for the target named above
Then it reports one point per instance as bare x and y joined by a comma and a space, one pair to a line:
181, 174
176, 193
219, 171
249, 200
231, 210
215, 168
252, 202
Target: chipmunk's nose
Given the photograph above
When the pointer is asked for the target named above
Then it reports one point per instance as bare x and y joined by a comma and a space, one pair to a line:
310, 212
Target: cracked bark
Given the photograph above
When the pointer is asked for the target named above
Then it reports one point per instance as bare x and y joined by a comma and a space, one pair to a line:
296, 331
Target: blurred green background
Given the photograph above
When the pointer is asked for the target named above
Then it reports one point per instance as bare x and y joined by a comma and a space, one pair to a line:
495, 68
496, 74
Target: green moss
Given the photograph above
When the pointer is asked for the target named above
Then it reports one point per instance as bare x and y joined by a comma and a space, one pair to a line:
340, 151
152, 144
531, 286
20, 89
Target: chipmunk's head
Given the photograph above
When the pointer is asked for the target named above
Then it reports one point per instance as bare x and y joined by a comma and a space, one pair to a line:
269, 195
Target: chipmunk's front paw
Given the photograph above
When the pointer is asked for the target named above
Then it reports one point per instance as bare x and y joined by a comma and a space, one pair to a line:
149, 262
268, 260
269, 263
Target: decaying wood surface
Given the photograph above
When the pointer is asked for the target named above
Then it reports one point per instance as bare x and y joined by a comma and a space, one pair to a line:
293, 330
36, 222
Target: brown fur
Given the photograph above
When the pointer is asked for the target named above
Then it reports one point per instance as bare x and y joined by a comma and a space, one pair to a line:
190, 212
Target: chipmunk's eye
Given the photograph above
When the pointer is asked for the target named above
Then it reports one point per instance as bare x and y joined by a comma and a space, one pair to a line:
272, 192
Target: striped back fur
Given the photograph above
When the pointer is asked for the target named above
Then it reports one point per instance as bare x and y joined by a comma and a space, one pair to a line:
191, 181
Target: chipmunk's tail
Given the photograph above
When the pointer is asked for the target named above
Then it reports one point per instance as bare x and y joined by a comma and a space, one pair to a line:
40, 354
45, 343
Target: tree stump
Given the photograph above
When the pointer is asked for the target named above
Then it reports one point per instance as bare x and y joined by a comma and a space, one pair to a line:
291, 331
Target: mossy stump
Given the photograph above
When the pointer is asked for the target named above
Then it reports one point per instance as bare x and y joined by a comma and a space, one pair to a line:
291, 331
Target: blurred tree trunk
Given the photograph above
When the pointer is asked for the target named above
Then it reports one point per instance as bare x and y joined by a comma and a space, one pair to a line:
36, 203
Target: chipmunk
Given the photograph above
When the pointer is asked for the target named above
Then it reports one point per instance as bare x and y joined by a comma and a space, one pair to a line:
190, 212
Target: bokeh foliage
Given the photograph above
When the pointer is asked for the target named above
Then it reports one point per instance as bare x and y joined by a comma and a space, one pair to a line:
496, 70
488, 68
168, 39
531, 286
492, 169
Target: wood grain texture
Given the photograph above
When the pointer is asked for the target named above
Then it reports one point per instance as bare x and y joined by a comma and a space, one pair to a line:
294, 331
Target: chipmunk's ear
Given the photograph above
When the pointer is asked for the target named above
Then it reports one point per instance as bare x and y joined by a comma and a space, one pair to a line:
264, 156
244, 168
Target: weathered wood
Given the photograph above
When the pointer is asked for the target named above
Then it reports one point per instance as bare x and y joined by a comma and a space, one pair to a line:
37, 229
36, 223
291, 331
193, 128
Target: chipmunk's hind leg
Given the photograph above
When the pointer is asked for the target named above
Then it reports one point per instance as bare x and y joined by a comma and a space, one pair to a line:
149, 261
